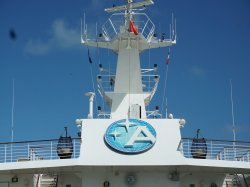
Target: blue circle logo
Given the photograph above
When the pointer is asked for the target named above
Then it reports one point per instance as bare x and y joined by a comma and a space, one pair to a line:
130, 136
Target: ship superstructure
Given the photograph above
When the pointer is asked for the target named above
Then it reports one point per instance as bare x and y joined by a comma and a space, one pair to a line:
128, 146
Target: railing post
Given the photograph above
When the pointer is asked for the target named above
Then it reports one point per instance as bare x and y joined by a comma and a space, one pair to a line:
144, 27
112, 26
28, 150
5, 152
224, 153
211, 150
51, 149
74, 148
11, 152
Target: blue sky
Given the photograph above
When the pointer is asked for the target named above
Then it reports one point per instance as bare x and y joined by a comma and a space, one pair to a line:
52, 73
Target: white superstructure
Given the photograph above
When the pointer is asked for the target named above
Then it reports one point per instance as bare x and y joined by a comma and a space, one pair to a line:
128, 146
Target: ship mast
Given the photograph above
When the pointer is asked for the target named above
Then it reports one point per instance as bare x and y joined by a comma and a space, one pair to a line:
128, 37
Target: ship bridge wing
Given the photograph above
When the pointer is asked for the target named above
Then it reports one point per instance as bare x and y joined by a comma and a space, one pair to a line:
132, 5
156, 44
95, 43
140, 42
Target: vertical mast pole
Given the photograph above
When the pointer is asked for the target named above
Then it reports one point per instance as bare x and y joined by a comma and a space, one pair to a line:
128, 13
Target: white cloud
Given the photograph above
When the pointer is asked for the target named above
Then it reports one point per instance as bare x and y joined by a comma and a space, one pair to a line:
37, 47
62, 37
197, 71
67, 37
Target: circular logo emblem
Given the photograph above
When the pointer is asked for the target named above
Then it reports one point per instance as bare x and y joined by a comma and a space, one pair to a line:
130, 136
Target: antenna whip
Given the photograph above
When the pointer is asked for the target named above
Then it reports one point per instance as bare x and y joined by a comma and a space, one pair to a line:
12, 110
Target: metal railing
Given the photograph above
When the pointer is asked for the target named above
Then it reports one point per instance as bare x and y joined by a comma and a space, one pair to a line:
154, 114
217, 149
107, 82
34, 150
115, 25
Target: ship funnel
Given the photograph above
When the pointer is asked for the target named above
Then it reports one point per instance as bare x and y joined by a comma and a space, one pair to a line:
91, 96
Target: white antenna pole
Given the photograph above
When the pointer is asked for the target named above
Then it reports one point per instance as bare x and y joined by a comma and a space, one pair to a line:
96, 29
165, 87
84, 29
12, 111
12, 117
81, 30
232, 104
175, 32
170, 29
166, 92
172, 25
84, 26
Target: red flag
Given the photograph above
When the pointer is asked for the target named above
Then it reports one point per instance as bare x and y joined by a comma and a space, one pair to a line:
168, 58
132, 27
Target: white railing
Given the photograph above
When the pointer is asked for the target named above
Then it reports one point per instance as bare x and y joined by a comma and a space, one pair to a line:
154, 114
107, 82
116, 24
217, 149
34, 150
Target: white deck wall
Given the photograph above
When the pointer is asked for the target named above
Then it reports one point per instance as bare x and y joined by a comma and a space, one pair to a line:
95, 152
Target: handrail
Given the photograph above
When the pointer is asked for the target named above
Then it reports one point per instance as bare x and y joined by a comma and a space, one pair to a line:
38, 150
215, 149
113, 25
31, 141
219, 140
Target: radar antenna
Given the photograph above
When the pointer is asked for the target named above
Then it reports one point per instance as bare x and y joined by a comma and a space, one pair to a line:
129, 6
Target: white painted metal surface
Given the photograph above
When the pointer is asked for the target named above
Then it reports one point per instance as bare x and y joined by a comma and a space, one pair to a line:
95, 152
